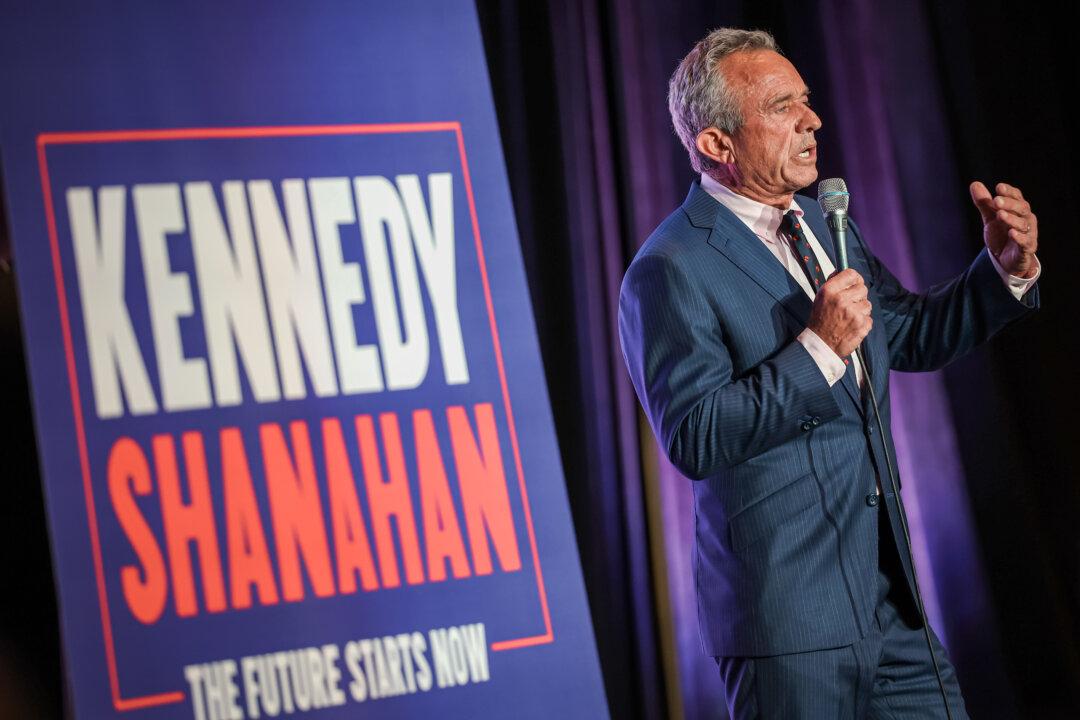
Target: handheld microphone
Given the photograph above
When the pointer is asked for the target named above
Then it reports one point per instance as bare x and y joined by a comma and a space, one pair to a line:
833, 198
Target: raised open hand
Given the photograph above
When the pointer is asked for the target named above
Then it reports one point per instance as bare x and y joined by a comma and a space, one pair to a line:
1010, 228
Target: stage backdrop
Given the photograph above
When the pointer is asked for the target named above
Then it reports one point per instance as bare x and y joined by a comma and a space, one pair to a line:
296, 441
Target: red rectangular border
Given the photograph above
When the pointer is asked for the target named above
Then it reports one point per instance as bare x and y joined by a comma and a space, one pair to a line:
45, 139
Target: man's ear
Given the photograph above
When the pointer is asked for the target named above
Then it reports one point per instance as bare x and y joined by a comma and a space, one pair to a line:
716, 145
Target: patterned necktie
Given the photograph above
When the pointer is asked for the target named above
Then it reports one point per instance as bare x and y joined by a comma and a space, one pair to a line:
791, 226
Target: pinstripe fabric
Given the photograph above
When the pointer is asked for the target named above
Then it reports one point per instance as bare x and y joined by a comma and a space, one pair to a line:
785, 555
886, 675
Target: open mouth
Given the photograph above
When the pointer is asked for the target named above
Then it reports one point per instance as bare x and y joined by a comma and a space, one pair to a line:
807, 153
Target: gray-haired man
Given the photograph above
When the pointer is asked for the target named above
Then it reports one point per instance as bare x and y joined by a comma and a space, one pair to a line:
739, 337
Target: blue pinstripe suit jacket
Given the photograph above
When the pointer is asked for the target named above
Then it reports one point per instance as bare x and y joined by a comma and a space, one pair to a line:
785, 556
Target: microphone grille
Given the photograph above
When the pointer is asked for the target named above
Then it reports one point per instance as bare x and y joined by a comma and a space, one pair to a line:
832, 195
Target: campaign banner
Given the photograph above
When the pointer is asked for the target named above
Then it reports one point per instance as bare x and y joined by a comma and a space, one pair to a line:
295, 438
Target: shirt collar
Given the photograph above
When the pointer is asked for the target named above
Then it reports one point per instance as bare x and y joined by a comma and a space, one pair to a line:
763, 220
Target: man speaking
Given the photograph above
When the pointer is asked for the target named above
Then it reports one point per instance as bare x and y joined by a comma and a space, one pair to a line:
740, 338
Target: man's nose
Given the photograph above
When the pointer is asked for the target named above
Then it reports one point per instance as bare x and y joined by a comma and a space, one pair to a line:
809, 121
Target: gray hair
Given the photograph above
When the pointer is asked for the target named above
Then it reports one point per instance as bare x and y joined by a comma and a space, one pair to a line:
699, 98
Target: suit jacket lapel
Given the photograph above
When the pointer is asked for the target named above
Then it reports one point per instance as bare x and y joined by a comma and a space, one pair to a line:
731, 237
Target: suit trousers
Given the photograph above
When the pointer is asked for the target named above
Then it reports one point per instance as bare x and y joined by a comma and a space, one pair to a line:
887, 675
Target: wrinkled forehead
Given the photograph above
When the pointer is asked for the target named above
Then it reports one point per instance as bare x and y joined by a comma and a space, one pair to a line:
758, 76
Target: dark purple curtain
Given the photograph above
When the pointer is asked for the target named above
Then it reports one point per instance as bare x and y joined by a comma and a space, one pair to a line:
917, 100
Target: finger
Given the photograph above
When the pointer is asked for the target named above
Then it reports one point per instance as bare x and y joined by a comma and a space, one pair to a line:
1007, 189
862, 330
1011, 204
863, 307
856, 278
981, 197
844, 279
1022, 223
851, 296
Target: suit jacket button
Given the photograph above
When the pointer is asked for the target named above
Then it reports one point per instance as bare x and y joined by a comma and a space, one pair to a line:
816, 421
806, 426
872, 499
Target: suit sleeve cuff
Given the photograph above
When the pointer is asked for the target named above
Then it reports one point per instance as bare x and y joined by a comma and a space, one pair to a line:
1017, 285
830, 364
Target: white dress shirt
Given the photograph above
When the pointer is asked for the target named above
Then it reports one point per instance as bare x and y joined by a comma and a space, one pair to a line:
764, 221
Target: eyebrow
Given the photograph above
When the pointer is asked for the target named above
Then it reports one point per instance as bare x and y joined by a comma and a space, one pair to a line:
789, 96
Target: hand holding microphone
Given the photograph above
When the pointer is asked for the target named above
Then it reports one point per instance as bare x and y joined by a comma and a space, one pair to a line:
841, 315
